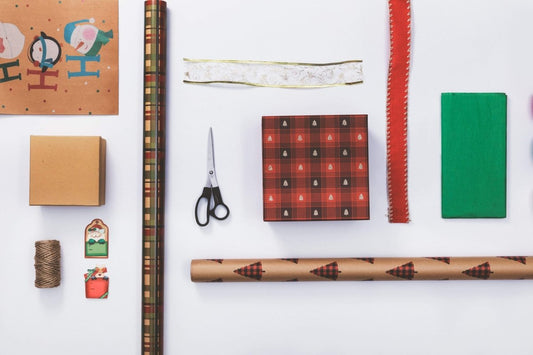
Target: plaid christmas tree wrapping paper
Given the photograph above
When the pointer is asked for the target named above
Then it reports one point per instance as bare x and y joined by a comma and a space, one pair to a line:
363, 269
315, 168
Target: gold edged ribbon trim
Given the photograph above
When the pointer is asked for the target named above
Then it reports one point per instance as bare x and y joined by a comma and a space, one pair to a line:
271, 86
267, 62
273, 74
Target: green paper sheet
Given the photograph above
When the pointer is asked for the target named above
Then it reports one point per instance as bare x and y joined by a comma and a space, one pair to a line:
474, 155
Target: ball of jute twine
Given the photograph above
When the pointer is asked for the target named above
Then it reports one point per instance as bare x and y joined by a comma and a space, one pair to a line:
47, 263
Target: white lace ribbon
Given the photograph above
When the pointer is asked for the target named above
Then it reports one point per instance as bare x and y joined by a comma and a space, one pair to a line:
273, 74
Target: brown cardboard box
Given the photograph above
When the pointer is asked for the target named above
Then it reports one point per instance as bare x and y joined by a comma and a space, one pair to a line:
67, 171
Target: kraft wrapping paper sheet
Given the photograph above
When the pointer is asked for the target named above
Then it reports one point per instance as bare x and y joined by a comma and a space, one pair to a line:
59, 57
363, 269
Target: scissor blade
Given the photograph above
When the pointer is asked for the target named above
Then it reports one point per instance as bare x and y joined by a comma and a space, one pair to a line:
210, 151
211, 173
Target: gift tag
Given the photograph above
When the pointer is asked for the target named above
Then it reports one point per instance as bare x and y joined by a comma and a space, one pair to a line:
97, 239
96, 282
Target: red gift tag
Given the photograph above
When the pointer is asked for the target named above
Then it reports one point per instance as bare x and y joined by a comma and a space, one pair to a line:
96, 283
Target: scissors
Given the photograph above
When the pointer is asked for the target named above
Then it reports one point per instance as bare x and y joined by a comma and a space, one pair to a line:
211, 196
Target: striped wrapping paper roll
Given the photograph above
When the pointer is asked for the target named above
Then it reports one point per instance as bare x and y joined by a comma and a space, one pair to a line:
154, 176
363, 269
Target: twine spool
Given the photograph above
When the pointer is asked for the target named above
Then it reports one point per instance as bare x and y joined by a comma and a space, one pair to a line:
47, 263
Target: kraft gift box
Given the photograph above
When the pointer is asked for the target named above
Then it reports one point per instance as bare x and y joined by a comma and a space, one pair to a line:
67, 171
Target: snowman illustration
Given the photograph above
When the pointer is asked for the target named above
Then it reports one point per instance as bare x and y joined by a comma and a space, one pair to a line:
44, 52
11, 41
86, 39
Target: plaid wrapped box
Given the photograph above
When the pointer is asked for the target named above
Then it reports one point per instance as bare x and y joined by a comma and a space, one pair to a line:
315, 168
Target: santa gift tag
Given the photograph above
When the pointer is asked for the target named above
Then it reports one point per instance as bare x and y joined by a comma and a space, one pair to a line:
97, 239
96, 282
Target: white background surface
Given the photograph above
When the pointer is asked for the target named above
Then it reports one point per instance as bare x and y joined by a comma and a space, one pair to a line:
466, 46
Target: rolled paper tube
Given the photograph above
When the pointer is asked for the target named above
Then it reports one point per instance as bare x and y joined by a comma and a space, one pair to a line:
154, 140
363, 269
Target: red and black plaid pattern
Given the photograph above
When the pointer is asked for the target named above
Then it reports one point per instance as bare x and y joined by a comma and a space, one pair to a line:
406, 271
520, 259
329, 271
481, 271
315, 168
253, 271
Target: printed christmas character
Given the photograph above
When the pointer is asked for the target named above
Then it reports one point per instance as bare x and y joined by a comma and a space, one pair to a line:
96, 283
96, 240
86, 39
99, 273
44, 52
11, 41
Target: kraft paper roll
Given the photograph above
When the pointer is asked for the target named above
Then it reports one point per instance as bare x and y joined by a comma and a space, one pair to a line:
363, 269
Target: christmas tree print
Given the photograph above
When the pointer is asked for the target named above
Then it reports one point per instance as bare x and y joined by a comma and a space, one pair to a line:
291, 260
253, 271
217, 260
329, 271
406, 271
443, 259
368, 260
520, 259
481, 271
311, 171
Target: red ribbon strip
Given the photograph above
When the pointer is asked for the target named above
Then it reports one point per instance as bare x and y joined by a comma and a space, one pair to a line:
397, 90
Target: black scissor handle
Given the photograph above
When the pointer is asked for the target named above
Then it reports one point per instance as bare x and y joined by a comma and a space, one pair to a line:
220, 210
206, 194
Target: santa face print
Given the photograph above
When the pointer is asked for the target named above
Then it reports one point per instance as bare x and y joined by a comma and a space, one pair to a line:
96, 240
83, 38
45, 51
96, 236
11, 41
